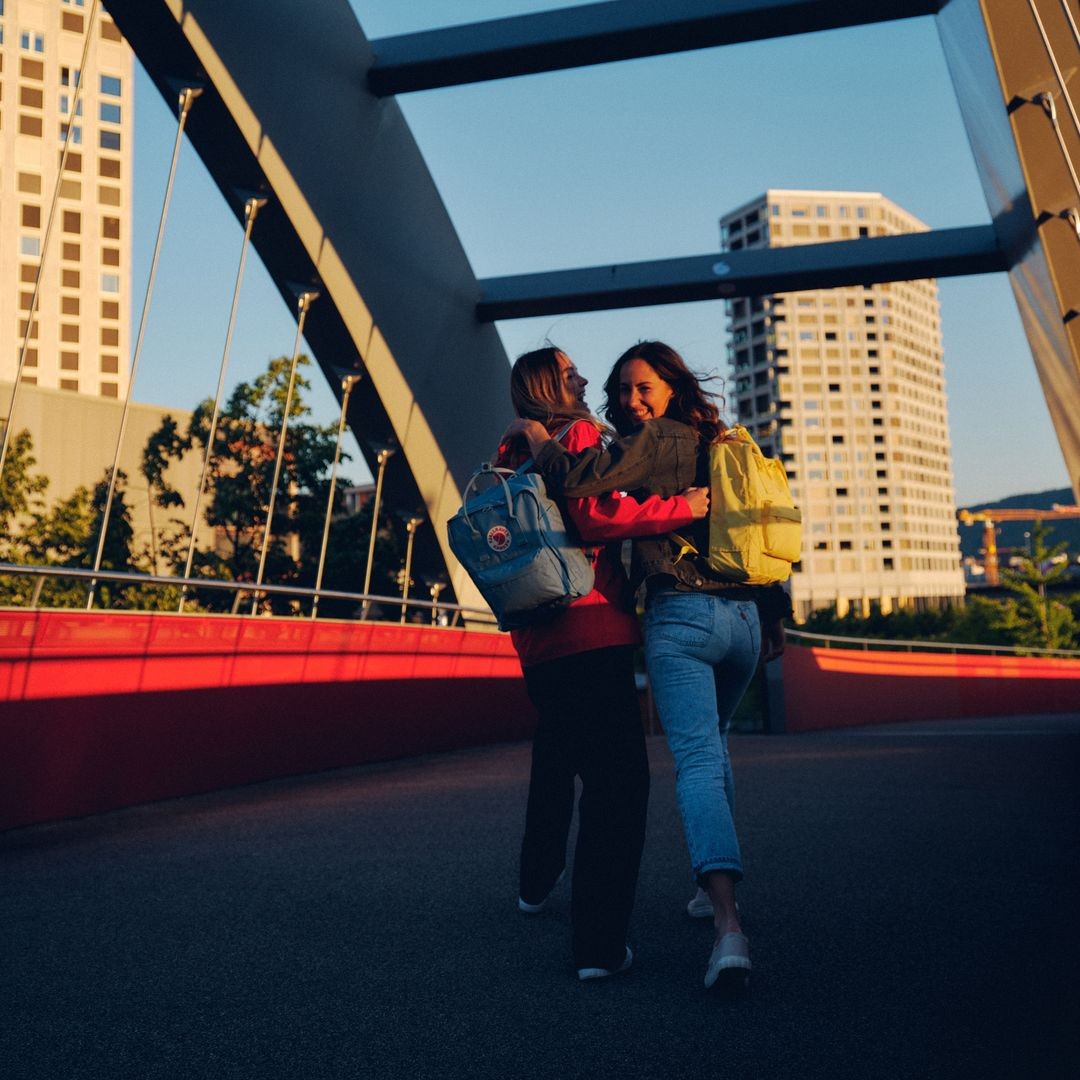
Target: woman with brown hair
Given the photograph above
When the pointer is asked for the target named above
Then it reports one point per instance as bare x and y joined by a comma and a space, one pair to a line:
703, 635
579, 673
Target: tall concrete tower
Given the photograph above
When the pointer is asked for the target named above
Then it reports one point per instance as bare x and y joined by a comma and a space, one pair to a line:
847, 386
79, 339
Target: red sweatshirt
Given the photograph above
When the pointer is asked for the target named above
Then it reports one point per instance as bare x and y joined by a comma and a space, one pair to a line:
605, 617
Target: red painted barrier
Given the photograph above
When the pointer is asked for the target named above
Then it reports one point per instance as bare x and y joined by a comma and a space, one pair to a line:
106, 709
830, 688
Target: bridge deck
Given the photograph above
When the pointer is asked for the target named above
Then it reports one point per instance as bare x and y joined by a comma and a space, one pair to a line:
911, 897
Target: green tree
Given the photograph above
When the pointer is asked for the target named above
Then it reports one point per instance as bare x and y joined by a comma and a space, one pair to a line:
164, 445
239, 477
1040, 621
21, 495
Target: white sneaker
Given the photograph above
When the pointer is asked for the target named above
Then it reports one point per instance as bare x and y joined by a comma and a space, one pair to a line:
700, 906
603, 973
535, 909
730, 958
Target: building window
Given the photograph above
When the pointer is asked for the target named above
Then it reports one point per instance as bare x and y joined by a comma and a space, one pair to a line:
109, 167
69, 76
110, 336
69, 333
72, 252
72, 221
110, 389
69, 384
31, 217
110, 85
109, 114
109, 140
110, 309
69, 305
110, 228
76, 134
30, 245
110, 283
32, 42
30, 125
110, 365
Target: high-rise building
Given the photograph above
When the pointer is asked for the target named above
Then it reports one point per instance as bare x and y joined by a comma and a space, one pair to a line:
847, 387
79, 338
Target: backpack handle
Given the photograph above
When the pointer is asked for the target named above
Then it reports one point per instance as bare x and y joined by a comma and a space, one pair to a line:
487, 469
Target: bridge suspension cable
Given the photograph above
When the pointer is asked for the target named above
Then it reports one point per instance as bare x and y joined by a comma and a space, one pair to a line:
50, 220
347, 384
252, 206
186, 98
303, 304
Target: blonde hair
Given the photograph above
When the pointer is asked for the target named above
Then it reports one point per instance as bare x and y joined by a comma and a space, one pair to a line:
539, 392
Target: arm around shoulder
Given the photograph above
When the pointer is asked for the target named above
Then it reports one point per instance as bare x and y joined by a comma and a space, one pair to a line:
626, 464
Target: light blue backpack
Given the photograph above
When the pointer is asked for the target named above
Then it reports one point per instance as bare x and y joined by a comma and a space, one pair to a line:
511, 539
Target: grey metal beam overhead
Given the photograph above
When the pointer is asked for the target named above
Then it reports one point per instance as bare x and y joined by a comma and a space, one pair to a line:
605, 32
760, 271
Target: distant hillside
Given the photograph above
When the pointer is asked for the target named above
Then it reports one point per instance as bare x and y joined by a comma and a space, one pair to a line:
1011, 533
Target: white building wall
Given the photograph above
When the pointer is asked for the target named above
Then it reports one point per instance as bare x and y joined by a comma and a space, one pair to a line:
847, 386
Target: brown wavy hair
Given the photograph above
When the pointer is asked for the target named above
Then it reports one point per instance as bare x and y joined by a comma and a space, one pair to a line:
538, 392
691, 403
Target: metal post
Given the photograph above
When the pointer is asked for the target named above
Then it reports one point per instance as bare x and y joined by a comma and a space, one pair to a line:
186, 99
435, 587
410, 527
251, 208
383, 455
303, 304
347, 384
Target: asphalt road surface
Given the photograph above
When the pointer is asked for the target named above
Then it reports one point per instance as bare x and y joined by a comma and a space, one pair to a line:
911, 898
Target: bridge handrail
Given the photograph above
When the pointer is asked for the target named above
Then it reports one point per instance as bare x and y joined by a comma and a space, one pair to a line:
866, 644
128, 578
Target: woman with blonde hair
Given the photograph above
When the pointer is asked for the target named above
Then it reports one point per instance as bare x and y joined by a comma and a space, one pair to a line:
579, 673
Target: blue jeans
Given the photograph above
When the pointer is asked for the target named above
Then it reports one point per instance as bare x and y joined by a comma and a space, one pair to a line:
701, 651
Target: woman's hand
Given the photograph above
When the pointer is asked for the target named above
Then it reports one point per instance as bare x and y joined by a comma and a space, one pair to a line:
531, 430
698, 498
772, 640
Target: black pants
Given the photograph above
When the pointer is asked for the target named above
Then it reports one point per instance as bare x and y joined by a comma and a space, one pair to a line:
589, 726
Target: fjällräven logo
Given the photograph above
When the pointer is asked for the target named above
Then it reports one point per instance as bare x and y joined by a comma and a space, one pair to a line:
498, 538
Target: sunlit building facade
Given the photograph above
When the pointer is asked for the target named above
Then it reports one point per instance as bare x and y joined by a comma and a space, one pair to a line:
79, 335
847, 387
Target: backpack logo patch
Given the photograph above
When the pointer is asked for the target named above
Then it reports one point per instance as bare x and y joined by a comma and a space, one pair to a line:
498, 538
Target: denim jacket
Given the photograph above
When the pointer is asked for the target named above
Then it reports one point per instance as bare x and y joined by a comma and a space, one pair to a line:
662, 457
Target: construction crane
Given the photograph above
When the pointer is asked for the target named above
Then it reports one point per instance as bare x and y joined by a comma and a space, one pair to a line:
991, 516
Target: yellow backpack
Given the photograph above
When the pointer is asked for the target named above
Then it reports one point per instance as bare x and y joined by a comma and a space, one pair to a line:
755, 528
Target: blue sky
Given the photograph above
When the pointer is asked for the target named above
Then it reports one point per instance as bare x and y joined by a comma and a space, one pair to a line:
626, 162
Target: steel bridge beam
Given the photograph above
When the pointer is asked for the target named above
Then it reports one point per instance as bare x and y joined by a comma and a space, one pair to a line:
605, 32
946, 253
